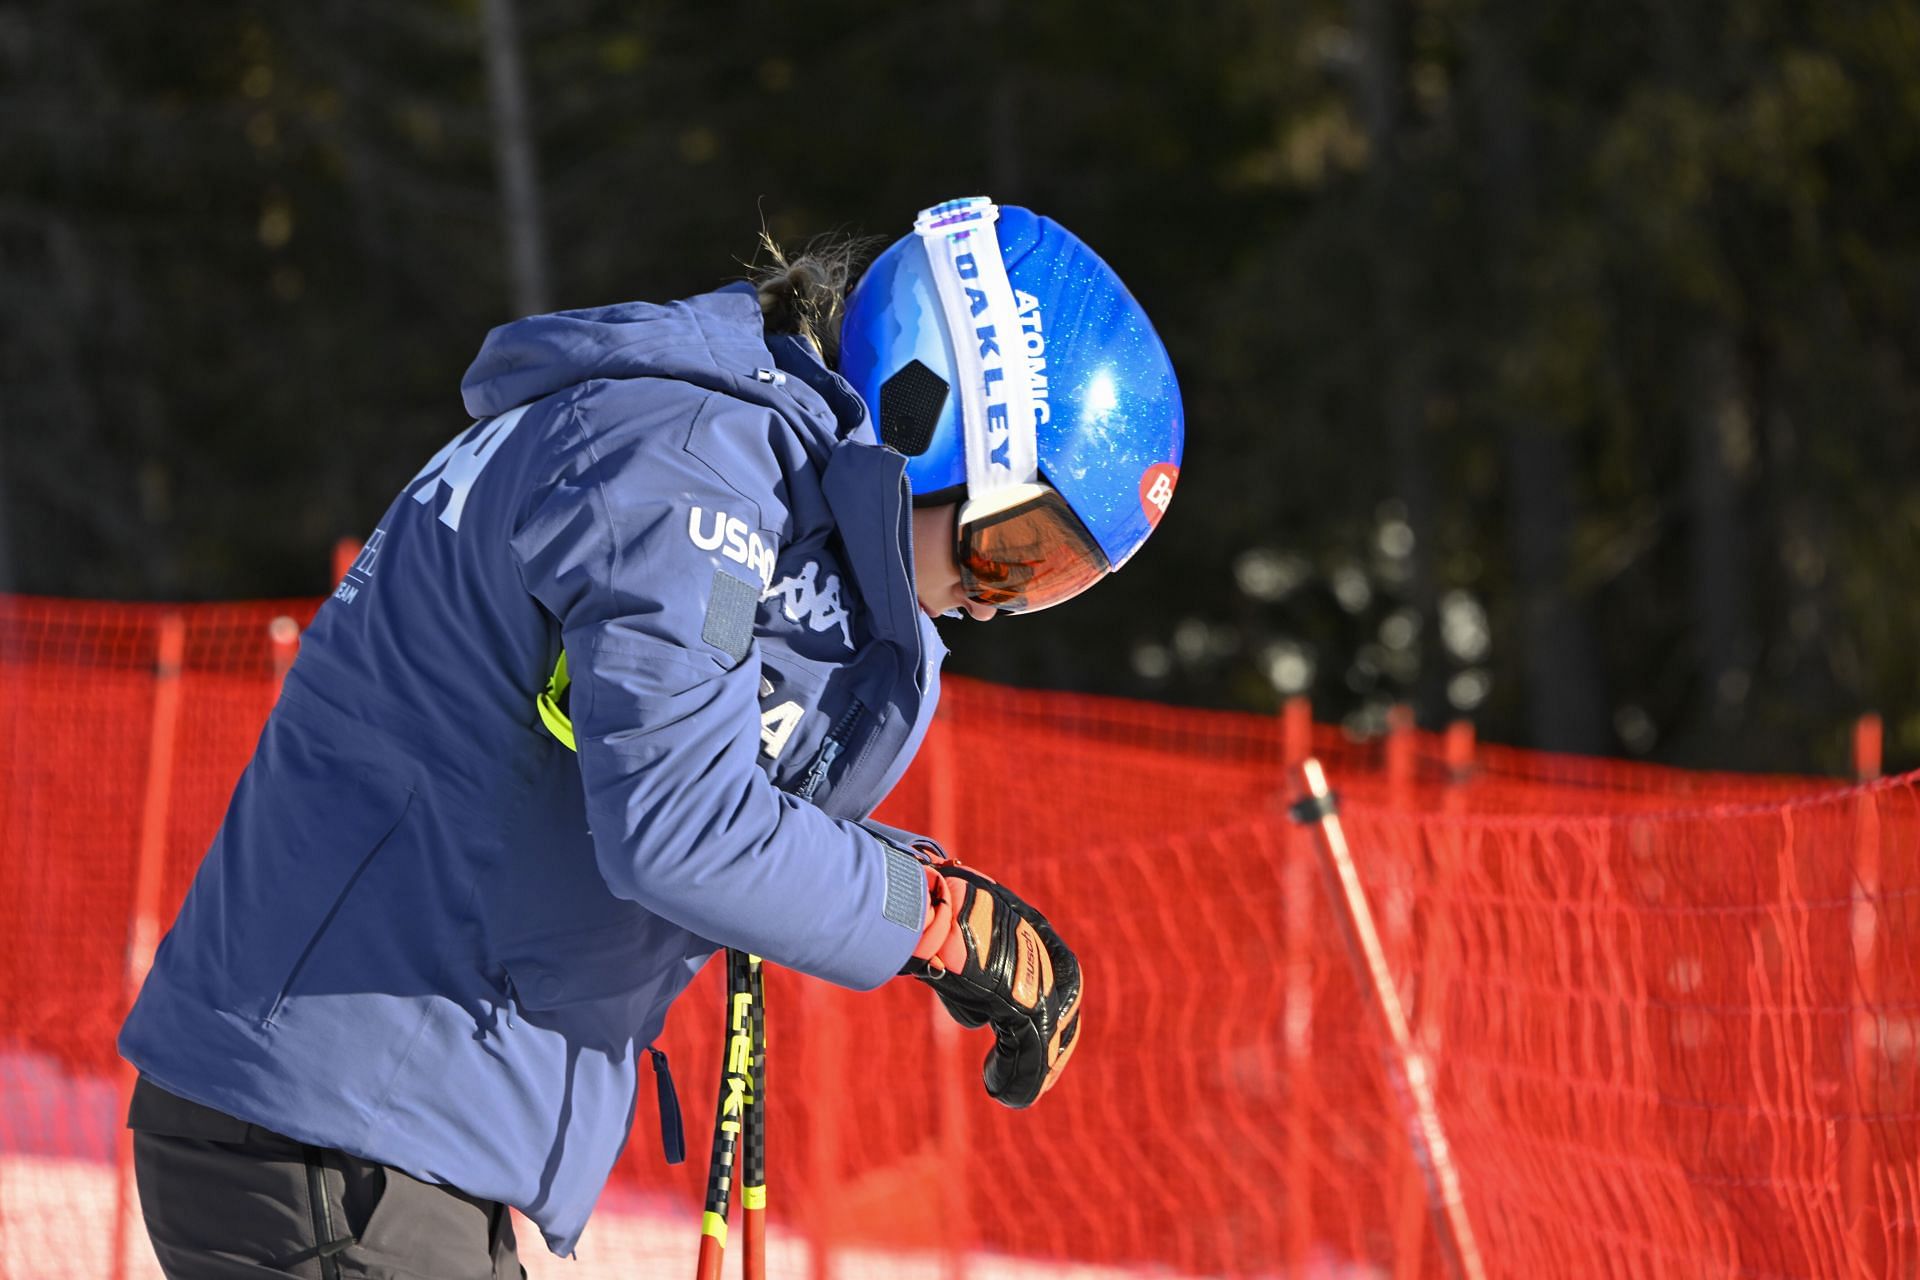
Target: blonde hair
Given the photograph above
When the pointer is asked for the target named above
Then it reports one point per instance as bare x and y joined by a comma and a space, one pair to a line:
806, 294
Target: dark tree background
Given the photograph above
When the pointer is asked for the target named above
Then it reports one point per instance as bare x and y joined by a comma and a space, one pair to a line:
1547, 362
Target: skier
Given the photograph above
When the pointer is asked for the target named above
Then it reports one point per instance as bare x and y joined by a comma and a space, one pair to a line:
414, 972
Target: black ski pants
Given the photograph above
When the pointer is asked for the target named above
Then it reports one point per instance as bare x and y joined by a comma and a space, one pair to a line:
228, 1200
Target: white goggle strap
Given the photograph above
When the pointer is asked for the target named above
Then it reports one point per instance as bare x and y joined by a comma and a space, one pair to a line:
989, 351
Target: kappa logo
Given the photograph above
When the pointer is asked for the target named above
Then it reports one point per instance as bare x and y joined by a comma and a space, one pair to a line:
804, 599
730, 536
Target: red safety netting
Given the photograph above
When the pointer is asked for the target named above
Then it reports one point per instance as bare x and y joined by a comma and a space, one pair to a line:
1670, 1018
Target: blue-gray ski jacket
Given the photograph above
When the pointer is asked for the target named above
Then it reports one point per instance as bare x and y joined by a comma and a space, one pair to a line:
430, 934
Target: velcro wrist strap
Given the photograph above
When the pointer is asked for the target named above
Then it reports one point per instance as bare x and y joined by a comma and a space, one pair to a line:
906, 902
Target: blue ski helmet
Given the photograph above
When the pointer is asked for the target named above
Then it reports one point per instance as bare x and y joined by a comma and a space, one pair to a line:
1008, 362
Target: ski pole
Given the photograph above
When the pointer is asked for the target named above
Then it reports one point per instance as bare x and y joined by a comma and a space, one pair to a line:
753, 1176
736, 1084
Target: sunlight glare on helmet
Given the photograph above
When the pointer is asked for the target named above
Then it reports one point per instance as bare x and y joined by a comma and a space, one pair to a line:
1101, 398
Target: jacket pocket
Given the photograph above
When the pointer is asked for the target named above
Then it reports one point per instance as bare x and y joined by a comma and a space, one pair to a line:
400, 1225
595, 987
303, 828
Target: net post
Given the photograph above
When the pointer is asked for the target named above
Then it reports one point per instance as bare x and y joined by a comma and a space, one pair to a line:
1400, 744
1864, 1044
818, 1004
943, 821
1868, 736
143, 931
345, 552
1412, 1085
283, 640
1409, 1202
1296, 731
1296, 744
1459, 750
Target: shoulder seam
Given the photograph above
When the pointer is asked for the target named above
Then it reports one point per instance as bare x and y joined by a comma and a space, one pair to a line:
603, 508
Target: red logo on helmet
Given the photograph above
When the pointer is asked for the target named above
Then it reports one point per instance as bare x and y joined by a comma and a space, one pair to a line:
1156, 489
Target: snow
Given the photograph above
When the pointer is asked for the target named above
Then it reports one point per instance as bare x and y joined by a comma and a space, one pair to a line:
54, 1207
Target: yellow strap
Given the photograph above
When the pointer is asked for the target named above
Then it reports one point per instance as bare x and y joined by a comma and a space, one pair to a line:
558, 723
712, 1224
753, 1197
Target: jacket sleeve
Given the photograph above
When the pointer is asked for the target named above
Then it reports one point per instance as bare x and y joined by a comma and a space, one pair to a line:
665, 709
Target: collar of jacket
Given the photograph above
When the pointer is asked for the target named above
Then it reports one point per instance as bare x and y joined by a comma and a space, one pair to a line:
865, 484
866, 489
798, 359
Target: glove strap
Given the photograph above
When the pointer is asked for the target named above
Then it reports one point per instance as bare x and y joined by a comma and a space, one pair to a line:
673, 1133
942, 945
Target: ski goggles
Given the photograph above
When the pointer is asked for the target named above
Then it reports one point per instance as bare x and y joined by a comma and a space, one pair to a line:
1021, 548
1019, 545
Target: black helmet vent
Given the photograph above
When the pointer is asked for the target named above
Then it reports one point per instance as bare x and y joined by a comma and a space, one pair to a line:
910, 404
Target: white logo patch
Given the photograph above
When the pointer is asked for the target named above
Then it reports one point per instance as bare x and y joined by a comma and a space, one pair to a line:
777, 723
730, 536
459, 463
803, 599
776, 726
1161, 493
1034, 338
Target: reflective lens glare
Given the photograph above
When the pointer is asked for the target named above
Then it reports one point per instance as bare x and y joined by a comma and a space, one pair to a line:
1023, 549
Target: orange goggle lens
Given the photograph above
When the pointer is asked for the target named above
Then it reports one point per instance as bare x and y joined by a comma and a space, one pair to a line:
1028, 555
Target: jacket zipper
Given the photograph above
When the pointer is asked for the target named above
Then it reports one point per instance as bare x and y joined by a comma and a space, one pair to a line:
831, 749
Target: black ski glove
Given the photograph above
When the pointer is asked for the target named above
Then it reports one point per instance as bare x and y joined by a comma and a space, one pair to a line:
995, 961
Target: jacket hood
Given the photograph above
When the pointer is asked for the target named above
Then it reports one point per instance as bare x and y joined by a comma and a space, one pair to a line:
714, 340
